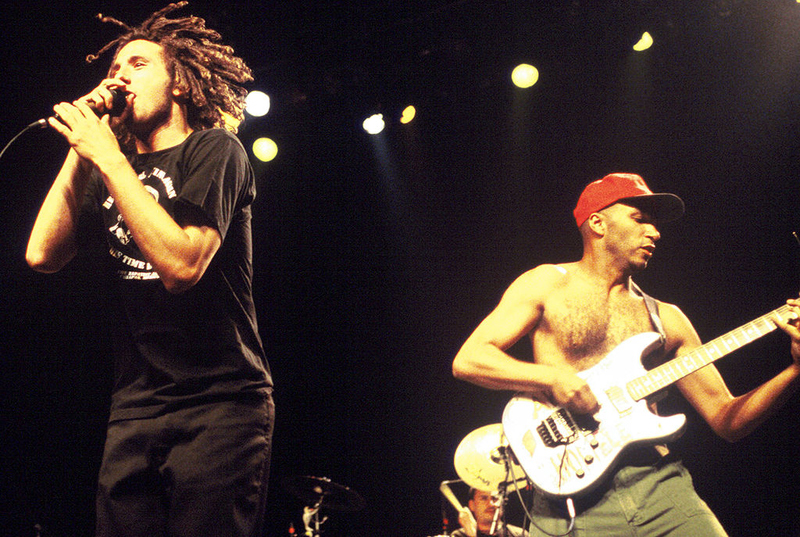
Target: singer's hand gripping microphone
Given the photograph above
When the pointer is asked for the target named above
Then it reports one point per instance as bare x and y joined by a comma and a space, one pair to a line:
118, 105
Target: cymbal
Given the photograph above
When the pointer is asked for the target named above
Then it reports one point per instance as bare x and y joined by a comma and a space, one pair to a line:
326, 493
480, 461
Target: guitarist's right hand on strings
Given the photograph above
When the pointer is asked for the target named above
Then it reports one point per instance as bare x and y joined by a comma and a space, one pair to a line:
573, 393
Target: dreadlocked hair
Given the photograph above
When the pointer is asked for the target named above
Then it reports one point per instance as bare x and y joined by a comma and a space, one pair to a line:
208, 70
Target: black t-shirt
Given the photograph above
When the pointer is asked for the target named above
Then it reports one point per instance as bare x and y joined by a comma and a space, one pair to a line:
202, 345
507, 531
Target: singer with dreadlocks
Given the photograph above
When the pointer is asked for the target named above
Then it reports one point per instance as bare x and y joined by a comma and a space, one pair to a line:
170, 187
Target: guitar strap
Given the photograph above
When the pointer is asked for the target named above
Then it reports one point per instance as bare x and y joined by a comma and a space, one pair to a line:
652, 309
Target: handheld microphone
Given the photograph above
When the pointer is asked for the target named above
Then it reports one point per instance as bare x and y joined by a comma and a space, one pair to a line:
118, 105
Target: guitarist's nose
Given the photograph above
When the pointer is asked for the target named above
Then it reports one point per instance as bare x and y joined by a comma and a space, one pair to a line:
652, 233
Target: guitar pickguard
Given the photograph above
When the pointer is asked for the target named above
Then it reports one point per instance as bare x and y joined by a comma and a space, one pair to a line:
565, 454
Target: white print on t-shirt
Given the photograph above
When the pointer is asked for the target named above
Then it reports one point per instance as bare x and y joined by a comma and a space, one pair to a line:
165, 180
161, 175
130, 261
153, 192
139, 269
120, 231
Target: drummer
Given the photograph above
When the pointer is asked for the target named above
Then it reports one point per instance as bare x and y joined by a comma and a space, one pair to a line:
477, 520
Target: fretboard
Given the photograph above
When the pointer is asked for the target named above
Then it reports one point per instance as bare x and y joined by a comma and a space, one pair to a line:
662, 376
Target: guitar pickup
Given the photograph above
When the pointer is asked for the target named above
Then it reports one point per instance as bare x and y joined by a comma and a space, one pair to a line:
618, 399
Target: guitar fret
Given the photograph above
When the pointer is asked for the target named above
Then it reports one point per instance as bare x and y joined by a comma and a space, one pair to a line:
781, 313
654, 386
741, 337
764, 325
658, 378
674, 370
673, 375
734, 341
666, 380
671, 372
703, 353
635, 390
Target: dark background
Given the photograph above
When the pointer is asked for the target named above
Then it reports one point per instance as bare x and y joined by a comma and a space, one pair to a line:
376, 257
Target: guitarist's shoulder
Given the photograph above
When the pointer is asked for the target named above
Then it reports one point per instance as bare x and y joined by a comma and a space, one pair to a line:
544, 276
536, 285
667, 309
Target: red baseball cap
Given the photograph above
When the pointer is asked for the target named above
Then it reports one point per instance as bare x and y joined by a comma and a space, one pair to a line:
626, 187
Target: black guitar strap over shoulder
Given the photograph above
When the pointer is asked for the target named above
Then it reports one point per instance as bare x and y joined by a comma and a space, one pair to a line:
652, 308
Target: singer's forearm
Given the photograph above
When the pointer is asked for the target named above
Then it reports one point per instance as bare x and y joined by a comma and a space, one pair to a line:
52, 241
179, 254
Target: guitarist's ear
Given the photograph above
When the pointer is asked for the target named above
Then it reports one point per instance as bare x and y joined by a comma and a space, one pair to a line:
596, 224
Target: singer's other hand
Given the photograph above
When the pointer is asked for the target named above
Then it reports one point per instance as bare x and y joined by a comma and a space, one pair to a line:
91, 137
101, 98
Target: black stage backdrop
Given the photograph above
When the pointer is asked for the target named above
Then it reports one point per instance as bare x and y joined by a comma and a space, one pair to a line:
376, 257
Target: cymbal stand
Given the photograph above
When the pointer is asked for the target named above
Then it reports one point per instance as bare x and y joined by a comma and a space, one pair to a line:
311, 519
505, 454
499, 504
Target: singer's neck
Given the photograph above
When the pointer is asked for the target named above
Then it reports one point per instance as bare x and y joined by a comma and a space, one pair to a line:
171, 133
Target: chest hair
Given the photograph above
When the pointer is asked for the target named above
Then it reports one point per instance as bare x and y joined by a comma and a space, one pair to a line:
589, 326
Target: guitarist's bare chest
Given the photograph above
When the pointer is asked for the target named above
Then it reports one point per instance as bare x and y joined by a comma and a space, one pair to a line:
588, 325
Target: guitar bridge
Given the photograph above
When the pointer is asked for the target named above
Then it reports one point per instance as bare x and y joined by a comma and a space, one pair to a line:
559, 428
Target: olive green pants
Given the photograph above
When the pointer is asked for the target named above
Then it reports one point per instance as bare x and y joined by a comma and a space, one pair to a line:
653, 500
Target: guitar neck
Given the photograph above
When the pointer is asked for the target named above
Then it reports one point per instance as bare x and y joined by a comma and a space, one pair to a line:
670, 372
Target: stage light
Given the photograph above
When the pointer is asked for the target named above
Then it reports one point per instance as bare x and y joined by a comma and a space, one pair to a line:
644, 43
265, 149
374, 124
409, 113
257, 103
524, 75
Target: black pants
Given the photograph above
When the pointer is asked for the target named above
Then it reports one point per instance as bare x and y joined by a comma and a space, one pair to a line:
200, 471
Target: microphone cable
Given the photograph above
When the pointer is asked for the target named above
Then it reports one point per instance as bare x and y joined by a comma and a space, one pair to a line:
42, 124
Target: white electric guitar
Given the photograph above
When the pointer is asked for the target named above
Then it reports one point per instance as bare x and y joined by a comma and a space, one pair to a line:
566, 455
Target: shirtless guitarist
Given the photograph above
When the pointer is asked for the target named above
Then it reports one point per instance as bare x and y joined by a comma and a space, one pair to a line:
574, 315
